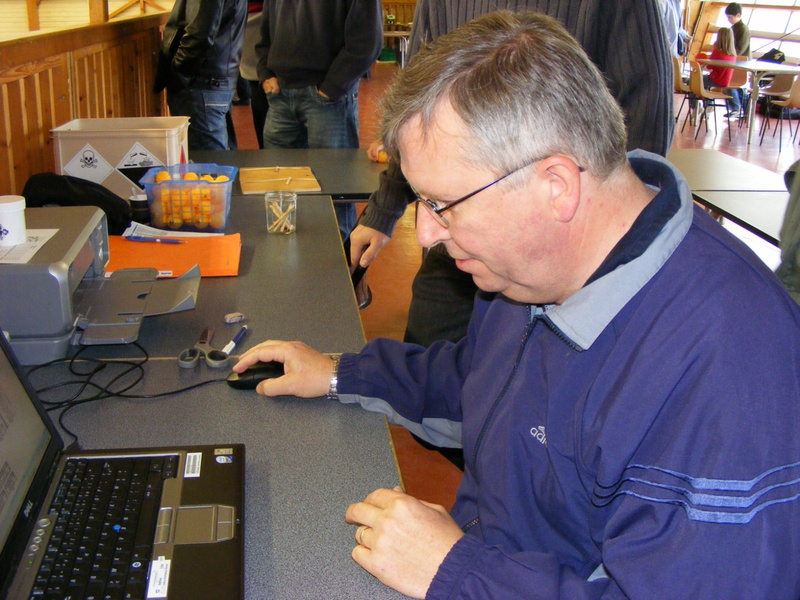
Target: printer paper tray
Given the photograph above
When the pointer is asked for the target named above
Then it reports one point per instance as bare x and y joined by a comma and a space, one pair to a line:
111, 310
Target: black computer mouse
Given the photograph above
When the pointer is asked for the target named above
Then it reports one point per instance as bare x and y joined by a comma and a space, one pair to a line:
255, 374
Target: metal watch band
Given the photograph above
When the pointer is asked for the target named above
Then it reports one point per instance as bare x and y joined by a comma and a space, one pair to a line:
333, 392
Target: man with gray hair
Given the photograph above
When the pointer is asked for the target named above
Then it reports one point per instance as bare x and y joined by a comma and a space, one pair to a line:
615, 447
627, 41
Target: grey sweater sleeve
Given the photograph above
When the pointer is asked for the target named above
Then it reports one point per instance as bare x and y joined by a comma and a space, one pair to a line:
628, 42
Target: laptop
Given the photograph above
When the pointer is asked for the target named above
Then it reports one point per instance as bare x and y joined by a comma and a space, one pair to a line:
115, 524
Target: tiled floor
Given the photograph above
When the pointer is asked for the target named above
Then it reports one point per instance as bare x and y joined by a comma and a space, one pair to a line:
426, 474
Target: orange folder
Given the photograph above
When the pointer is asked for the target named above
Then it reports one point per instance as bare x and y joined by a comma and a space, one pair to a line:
218, 255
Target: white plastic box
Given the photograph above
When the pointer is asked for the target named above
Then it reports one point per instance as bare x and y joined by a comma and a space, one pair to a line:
116, 153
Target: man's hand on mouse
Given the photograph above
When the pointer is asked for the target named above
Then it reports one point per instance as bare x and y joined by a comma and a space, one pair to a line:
307, 372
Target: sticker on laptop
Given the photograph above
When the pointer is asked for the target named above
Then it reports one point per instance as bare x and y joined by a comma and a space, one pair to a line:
158, 582
194, 461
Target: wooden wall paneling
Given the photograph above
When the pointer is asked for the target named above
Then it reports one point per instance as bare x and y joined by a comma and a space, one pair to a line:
147, 60
6, 156
84, 83
63, 104
126, 59
16, 141
94, 63
403, 10
52, 78
32, 123
32, 100
113, 73
78, 87
115, 80
101, 61
138, 82
54, 102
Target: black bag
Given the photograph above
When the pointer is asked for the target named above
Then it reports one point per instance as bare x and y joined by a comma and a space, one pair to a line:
49, 189
774, 56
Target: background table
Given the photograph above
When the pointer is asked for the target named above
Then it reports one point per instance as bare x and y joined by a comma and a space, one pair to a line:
343, 174
757, 69
402, 39
307, 460
747, 194
759, 212
712, 170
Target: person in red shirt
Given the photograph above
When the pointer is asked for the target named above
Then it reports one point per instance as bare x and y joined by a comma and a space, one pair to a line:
724, 49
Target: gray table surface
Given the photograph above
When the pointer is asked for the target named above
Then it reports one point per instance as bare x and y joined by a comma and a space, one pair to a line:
344, 174
759, 212
712, 170
290, 287
307, 460
749, 195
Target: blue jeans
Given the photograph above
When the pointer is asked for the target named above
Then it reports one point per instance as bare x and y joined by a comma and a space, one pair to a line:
301, 118
207, 111
735, 103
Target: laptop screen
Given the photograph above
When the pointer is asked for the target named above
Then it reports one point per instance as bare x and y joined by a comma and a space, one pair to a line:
24, 441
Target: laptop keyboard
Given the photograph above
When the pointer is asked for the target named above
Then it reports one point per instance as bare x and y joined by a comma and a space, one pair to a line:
102, 539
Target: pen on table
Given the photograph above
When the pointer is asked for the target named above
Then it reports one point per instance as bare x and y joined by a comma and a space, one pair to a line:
236, 339
160, 240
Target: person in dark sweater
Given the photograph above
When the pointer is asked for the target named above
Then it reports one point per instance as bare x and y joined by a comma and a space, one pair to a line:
625, 39
311, 56
741, 32
741, 38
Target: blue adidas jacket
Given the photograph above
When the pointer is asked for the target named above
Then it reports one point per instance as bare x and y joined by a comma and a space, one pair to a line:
638, 441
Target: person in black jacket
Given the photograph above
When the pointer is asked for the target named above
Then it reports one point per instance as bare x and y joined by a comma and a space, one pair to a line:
199, 66
311, 57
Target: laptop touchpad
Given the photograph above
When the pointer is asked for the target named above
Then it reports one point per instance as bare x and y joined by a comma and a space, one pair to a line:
204, 524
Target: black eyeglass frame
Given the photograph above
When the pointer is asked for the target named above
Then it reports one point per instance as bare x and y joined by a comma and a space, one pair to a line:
437, 211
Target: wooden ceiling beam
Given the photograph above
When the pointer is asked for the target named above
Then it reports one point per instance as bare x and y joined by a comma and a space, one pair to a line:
143, 4
33, 15
98, 12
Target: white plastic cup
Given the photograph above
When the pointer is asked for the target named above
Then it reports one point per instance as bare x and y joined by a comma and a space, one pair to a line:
12, 221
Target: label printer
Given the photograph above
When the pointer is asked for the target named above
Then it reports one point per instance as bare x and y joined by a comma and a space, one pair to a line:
62, 297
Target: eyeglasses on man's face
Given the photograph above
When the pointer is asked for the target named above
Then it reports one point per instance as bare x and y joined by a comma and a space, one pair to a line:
436, 208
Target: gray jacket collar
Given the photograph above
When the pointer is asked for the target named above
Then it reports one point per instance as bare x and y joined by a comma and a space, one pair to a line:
585, 314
